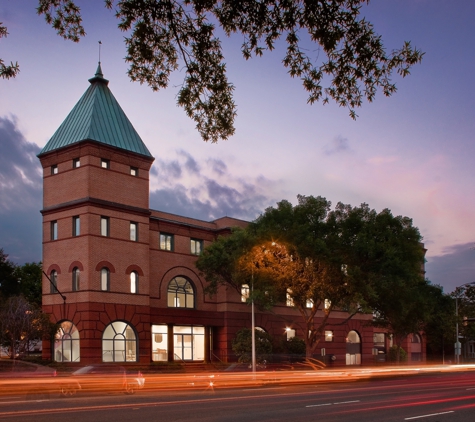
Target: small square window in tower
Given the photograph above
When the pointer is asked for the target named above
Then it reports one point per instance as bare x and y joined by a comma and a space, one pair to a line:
54, 169
105, 164
166, 242
134, 171
54, 230
76, 163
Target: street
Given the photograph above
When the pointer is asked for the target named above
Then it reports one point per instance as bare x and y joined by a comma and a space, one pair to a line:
433, 397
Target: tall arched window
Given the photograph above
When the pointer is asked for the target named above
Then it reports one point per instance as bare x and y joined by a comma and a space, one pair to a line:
119, 343
180, 293
66, 343
53, 276
134, 282
353, 348
105, 279
75, 279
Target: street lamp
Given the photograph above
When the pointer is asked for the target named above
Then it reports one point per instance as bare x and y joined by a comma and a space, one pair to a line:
457, 342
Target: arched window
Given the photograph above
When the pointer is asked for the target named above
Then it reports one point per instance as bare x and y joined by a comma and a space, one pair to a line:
105, 279
353, 348
66, 343
134, 282
75, 279
416, 338
119, 343
181, 293
53, 276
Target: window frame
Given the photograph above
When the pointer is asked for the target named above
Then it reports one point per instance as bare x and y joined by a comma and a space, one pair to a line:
193, 243
168, 240
105, 220
105, 164
134, 282
329, 335
76, 226
181, 291
134, 171
76, 277
54, 169
105, 283
53, 286
54, 230
134, 231
76, 163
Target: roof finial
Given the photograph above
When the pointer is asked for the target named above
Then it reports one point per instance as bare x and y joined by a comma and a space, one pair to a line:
100, 43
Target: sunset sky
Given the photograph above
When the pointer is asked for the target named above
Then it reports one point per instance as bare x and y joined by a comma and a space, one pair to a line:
412, 153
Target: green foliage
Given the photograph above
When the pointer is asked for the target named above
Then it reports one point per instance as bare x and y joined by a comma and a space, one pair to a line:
354, 258
7, 71
9, 284
393, 354
295, 346
166, 36
242, 345
29, 276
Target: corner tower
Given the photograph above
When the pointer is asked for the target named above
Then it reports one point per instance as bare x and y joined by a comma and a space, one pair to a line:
96, 223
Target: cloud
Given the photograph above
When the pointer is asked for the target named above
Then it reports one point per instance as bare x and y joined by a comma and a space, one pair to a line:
20, 194
338, 145
208, 190
456, 266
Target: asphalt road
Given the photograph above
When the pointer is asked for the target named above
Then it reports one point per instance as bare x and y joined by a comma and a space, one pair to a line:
428, 397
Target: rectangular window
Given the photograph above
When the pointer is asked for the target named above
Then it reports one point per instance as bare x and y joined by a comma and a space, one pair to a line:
244, 292
166, 242
76, 163
134, 171
105, 163
105, 229
54, 169
196, 246
289, 301
76, 225
54, 230
309, 303
134, 231
328, 335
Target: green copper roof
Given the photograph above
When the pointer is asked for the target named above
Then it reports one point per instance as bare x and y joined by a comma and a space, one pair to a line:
97, 116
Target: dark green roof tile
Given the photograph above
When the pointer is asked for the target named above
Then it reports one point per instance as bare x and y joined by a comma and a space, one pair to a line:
97, 116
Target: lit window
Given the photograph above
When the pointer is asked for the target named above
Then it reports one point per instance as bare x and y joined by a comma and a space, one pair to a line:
166, 242
105, 279
134, 171
159, 342
119, 343
76, 226
288, 296
290, 333
54, 230
327, 304
66, 343
196, 246
104, 226
75, 279
54, 169
76, 163
134, 231
105, 163
180, 293
244, 292
328, 335
54, 282
309, 303
134, 282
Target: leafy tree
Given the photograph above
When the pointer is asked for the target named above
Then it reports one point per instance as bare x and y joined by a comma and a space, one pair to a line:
7, 71
29, 276
9, 284
166, 35
22, 325
242, 345
349, 258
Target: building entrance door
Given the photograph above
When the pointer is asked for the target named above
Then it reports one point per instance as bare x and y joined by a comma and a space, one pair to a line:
188, 343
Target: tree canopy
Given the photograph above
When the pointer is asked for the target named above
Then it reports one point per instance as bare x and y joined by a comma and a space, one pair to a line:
348, 64
320, 260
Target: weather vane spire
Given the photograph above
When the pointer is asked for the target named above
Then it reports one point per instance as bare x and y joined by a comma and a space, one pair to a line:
100, 43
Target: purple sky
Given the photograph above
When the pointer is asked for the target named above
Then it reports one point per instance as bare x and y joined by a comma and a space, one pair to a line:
412, 153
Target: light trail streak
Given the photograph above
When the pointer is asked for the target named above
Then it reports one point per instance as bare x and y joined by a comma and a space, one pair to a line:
429, 415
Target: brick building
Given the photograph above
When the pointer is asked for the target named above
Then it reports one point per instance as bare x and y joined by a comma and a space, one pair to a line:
121, 277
